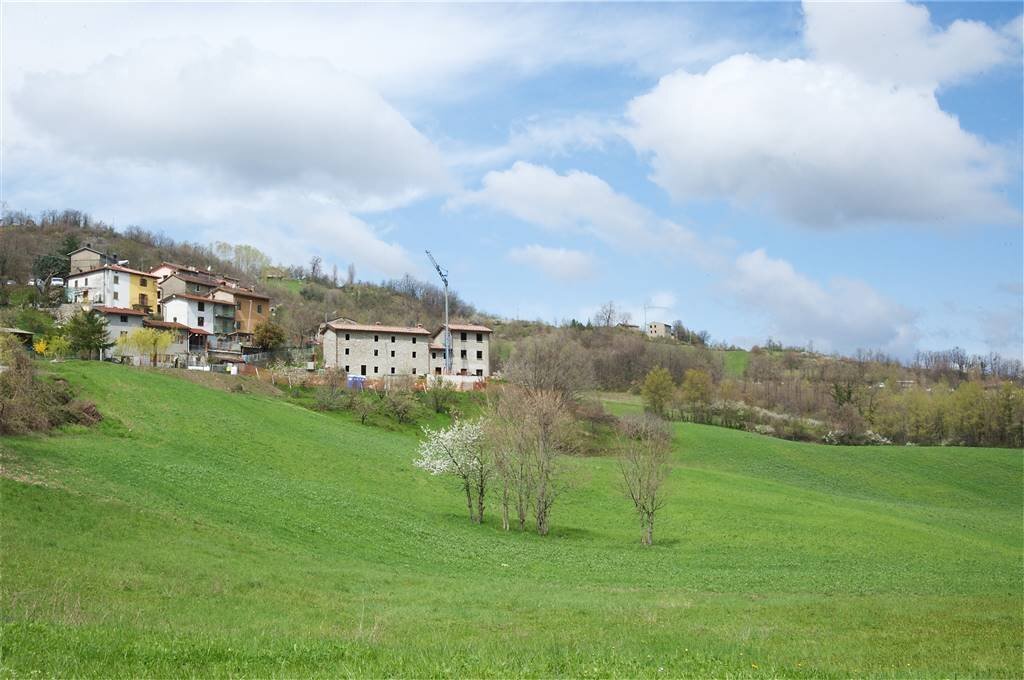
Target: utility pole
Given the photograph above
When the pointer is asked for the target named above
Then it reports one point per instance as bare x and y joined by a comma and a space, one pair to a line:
443, 273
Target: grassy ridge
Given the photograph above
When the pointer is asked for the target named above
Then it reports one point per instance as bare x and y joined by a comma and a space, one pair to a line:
203, 532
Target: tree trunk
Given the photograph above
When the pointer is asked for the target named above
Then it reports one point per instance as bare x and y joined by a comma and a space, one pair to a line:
504, 506
480, 488
469, 500
648, 535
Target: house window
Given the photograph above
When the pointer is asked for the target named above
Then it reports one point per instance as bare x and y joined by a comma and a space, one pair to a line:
115, 294
346, 336
259, 309
392, 370
159, 309
414, 355
479, 337
142, 282
143, 300
362, 369
414, 371
124, 318
462, 354
76, 283
346, 368
376, 352
414, 341
462, 336
392, 338
375, 369
392, 354
202, 321
202, 306
117, 279
346, 351
376, 338
433, 355
238, 306
237, 325
479, 354
480, 371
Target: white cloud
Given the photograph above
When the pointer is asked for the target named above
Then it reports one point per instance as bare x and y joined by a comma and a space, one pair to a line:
239, 114
845, 316
817, 143
418, 51
559, 136
574, 202
897, 42
557, 263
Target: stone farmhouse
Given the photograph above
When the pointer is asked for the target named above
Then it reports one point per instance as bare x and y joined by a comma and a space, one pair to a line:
378, 351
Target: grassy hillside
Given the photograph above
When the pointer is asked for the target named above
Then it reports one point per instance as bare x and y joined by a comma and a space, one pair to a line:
202, 532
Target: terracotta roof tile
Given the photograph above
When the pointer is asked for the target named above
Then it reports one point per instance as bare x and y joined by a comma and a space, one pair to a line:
345, 325
119, 310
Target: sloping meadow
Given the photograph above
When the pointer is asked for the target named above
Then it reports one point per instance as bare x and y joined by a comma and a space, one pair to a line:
197, 531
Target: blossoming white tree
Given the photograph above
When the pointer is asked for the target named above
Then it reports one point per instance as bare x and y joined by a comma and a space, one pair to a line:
458, 450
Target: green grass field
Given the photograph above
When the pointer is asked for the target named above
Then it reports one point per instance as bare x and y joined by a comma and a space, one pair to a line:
200, 532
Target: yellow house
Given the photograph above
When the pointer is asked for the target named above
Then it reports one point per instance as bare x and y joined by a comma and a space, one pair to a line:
142, 293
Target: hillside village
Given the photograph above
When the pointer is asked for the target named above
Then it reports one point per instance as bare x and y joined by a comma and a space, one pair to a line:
213, 319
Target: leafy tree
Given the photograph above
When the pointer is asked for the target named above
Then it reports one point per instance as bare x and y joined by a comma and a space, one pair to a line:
45, 267
440, 393
458, 450
657, 390
69, 244
87, 333
268, 335
57, 347
150, 342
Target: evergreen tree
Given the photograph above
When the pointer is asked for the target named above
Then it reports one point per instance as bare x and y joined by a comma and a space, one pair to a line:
87, 333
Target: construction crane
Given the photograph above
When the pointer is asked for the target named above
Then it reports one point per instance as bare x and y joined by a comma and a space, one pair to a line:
443, 273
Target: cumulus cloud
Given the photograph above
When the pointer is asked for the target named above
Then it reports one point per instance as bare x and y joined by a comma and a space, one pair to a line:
557, 263
855, 135
242, 114
897, 42
574, 202
578, 202
844, 316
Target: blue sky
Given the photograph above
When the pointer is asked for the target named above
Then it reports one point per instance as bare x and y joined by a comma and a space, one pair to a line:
842, 174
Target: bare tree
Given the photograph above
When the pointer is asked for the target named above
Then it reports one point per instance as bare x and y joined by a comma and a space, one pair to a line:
314, 267
606, 315
554, 361
643, 462
351, 274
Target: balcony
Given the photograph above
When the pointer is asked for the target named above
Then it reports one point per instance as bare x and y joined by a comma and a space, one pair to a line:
224, 312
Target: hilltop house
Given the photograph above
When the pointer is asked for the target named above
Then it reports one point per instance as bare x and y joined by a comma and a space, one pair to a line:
657, 329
